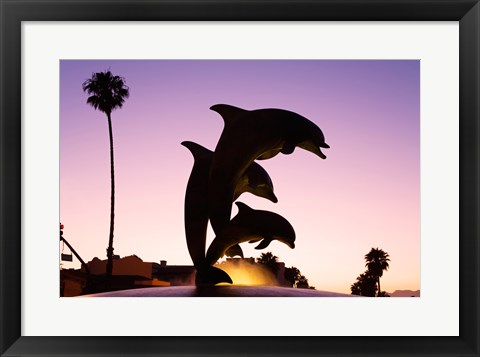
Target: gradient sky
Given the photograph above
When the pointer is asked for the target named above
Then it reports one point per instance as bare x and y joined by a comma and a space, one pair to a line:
365, 194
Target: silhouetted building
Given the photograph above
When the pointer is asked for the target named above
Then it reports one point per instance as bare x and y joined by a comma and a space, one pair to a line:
72, 282
130, 265
159, 274
174, 274
238, 260
128, 273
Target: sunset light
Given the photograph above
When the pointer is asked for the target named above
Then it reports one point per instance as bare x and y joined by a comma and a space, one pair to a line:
365, 194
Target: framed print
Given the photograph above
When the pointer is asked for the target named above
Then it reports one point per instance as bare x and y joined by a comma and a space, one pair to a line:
387, 90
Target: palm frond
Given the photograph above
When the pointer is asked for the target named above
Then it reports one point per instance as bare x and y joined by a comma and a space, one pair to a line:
377, 261
107, 91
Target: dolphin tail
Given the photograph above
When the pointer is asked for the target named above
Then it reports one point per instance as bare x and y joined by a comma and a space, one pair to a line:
211, 276
234, 250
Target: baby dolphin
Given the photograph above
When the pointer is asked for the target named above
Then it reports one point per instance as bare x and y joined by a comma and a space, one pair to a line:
250, 225
255, 180
247, 136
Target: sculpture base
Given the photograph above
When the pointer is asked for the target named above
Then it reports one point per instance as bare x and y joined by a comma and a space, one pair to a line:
219, 291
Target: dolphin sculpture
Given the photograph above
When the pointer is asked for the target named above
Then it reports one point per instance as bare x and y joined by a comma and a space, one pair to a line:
255, 180
249, 135
250, 225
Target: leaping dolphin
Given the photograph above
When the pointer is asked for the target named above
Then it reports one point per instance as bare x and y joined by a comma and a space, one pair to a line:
249, 135
250, 225
255, 180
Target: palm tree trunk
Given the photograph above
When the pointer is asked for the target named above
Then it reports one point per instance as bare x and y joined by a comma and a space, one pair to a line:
378, 280
112, 202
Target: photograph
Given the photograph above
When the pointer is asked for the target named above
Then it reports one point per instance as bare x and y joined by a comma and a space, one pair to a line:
209, 166
239, 178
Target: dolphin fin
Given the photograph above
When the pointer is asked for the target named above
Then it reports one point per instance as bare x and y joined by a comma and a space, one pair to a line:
268, 154
234, 250
242, 207
288, 148
264, 243
228, 112
212, 276
198, 151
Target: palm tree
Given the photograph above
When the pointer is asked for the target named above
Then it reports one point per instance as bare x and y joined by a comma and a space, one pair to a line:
377, 261
107, 92
292, 275
366, 285
269, 260
302, 282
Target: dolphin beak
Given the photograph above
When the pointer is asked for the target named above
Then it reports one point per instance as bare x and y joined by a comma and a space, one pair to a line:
314, 148
273, 198
319, 153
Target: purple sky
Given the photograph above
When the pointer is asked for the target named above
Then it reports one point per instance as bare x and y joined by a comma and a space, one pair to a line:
365, 194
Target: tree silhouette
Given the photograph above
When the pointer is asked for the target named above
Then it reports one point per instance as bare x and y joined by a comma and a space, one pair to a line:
292, 275
270, 261
355, 288
377, 261
302, 282
296, 279
107, 92
366, 285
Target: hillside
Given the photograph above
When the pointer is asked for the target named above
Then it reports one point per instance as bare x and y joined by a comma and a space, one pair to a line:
405, 293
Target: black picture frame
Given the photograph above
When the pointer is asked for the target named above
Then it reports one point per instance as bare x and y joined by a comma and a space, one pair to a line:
13, 12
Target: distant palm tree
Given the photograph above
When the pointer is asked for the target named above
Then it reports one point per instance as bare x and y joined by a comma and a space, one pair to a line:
377, 261
292, 275
269, 260
302, 282
355, 288
107, 92
366, 285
